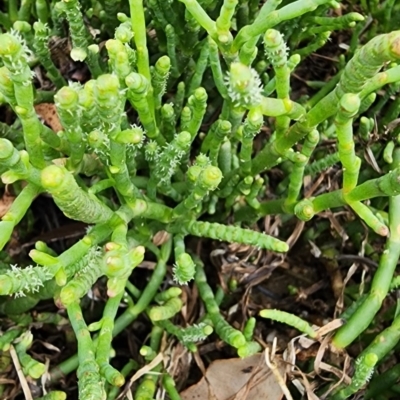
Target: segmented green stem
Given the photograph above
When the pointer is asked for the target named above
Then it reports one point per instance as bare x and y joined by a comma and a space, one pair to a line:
184, 267
16, 212
289, 319
266, 19
30, 367
139, 37
67, 102
42, 36
73, 200
363, 316
216, 68
198, 104
297, 174
159, 79
207, 180
364, 370
131, 313
79, 33
225, 331
90, 384
201, 17
362, 67
15, 57
103, 348
212, 143
251, 128
119, 59
138, 94
234, 234
82, 282
201, 66
276, 51
167, 310
349, 105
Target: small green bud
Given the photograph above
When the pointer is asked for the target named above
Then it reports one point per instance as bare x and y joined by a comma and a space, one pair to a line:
202, 160
22, 26
106, 85
114, 264
87, 240
166, 311
248, 349
193, 173
244, 85
370, 360
111, 246
96, 138
151, 150
94, 48
200, 94
6, 149
134, 136
122, 17
255, 117
61, 277
36, 370
66, 97
136, 82
261, 66
272, 37
208, 330
240, 76
136, 256
184, 269
232, 284
95, 326
21, 111
39, 27
86, 99
210, 177
114, 46
294, 59
124, 32
52, 176
67, 296
248, 180
42, 258
9, 45
78, 54
167, 111
147, 351
223, 38
304, 210
183, 138
350, 103
163, 63
168, 294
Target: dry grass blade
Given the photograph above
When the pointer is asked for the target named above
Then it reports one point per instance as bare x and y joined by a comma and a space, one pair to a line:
142, 371
21, 376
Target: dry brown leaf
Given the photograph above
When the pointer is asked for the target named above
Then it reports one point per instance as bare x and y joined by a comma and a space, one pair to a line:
5, 203
48, 113
161, 237
227, 380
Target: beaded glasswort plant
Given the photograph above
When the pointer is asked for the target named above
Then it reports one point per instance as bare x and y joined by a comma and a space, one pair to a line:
169, 135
